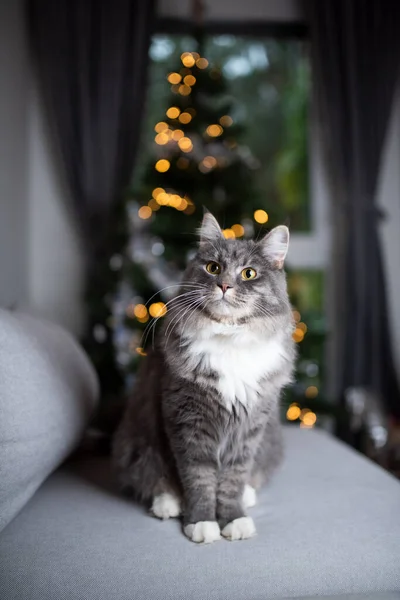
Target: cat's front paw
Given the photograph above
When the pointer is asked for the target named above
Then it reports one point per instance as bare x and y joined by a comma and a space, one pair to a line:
239, 529
166, 506
203, 532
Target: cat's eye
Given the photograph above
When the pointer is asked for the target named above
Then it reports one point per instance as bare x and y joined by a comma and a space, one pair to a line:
213, 267
249, 273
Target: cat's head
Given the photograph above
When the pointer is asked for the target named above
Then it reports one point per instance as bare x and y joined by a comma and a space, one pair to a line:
239, 279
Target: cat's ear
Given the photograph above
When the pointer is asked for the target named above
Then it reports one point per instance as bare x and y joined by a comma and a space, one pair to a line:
210, 230
275, 245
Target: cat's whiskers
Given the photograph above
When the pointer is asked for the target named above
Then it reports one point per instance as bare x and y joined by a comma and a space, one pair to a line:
175, 316
153, 323
179, 317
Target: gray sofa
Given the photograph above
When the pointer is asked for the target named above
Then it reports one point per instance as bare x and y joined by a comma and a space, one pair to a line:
328, 525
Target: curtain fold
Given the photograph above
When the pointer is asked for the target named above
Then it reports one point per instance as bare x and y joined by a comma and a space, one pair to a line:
355, 61
91, 58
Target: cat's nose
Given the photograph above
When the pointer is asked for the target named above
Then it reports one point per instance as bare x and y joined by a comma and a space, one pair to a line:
224, 287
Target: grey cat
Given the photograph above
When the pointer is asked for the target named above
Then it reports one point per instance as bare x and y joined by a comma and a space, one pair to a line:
201, 432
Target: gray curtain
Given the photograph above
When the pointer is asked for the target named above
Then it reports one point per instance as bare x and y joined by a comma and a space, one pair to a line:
91, 58
355, 64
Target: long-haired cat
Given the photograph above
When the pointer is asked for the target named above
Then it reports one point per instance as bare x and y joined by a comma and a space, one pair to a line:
201, 431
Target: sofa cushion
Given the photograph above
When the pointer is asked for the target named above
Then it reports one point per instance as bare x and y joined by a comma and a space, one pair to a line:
327, 525
48, 390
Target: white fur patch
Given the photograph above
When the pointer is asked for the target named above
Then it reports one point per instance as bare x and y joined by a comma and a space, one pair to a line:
249, 498
166, 506
239, 529
203, 532
240, 357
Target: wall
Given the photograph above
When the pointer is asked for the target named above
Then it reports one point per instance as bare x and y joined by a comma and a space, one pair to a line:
13, 155
55, 260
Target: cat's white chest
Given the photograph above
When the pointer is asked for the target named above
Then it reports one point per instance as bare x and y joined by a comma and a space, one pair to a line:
241, 360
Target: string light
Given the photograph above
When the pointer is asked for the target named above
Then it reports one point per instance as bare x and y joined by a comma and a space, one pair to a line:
298, 335
185, 144
158, 309
140, 311
157, 191
174, 78
311, 392
309, 419
163, 199
185, 118
153, 204
260, 216
187, 59
162, 165
202, 63
214, 130
238, 230
182, 205
182, 163
145, 212
226, 121
184, 90
160, 127
178, 133
195, 55
210, 162
293, 412
229, 234
302, 326
161, 139
173, 112
189, 80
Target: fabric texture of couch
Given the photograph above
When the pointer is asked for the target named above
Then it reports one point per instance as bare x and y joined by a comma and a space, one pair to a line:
48, 390
329, 524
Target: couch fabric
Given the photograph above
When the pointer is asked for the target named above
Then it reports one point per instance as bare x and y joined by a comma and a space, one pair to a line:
48, 390
329, 524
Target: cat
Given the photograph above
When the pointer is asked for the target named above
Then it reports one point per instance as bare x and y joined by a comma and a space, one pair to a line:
201, 431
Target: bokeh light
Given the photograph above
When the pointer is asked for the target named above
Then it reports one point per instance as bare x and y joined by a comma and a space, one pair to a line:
189, 80
260, 216
140, 311
185, 118
174, 78
238, 230
158, 309
160, 127
214, 130
293, 412
210, 162
185, 90
173, 112
145, 212
298, 335
311, 391
185, 144
229, 234
162, 165
202, 63
226, 121
161, 139
187, 59
157, 191
177, 134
